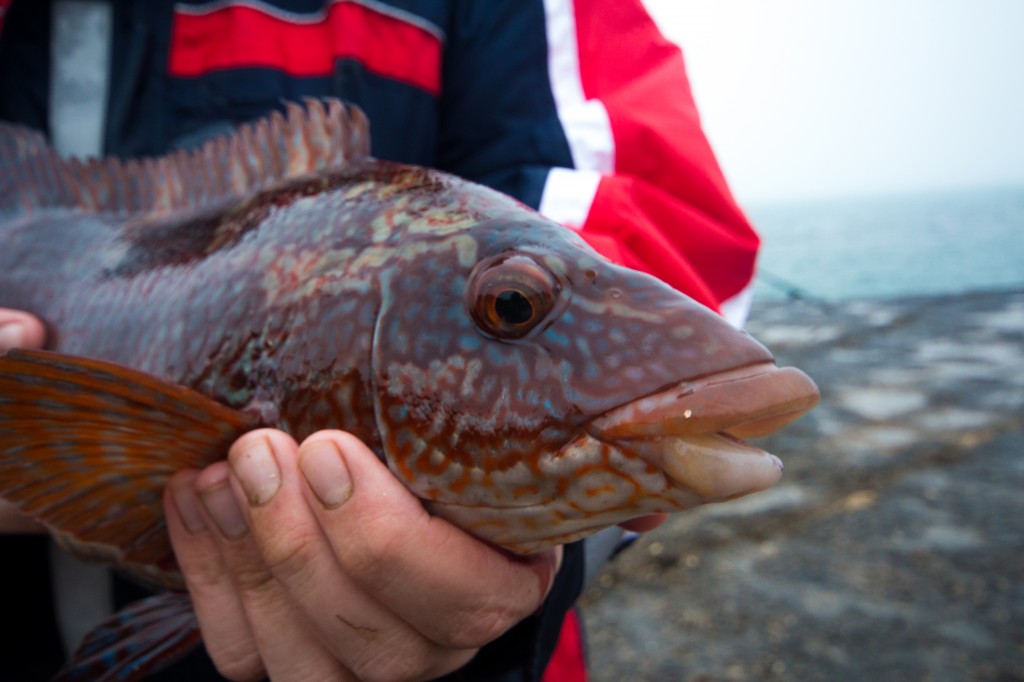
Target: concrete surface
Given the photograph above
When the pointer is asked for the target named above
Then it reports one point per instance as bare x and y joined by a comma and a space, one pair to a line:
893, 548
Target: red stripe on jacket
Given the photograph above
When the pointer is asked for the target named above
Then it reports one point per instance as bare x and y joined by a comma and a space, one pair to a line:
569, 661
239, 36
667, 208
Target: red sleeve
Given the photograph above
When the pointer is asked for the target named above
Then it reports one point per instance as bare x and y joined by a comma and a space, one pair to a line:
661, 203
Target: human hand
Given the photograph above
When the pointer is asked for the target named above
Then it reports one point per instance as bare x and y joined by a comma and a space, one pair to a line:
18, 330
314, 562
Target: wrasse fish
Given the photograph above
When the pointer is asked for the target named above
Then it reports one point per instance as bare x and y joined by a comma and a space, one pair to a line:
522, 386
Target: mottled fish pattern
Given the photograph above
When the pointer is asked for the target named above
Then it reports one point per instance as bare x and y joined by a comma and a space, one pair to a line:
521, 385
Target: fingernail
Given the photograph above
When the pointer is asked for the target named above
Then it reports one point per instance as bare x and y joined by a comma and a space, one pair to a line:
220, 503
323, 465
184, 493
12, 335
257, 471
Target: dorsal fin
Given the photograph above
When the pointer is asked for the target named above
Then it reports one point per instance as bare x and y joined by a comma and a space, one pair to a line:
321, 134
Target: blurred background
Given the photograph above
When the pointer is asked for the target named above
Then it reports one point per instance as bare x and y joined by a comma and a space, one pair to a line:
878, 145
879, 149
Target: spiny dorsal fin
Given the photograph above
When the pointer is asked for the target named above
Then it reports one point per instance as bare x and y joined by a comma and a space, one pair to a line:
321, 134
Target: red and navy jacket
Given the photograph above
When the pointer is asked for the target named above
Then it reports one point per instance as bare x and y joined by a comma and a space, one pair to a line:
579, 108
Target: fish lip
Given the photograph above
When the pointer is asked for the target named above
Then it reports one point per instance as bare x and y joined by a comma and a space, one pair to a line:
744, 402
678, 447
693, 430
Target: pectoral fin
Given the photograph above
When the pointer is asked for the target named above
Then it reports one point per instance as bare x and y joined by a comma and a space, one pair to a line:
87, 446
136, 642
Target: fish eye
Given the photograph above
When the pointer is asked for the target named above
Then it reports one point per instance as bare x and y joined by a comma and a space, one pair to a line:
508, 298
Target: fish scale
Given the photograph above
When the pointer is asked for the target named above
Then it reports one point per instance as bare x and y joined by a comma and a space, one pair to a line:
522, 386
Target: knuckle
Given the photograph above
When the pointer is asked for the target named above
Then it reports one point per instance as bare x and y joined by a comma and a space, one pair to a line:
384, 549
289, 558
371, 554
204, 573
239, 664
484, 623
253, 578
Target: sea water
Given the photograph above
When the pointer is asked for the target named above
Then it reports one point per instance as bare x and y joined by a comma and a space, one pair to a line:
893, 246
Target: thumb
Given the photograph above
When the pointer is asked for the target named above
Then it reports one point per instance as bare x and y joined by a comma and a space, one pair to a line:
20, 330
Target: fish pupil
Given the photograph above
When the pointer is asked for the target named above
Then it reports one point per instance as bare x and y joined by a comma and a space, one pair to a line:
513, 307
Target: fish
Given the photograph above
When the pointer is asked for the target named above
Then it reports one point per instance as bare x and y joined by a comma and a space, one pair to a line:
521, 385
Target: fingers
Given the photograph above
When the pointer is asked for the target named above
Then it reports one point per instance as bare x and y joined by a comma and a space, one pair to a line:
452, 588
20, 330
288, 647
350, 621
270, 594
249, 626
225, 628
316, 563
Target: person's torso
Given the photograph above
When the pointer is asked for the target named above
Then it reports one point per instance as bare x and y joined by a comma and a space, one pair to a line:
181, 72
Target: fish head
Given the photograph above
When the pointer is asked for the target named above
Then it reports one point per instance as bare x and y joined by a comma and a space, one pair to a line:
533, 392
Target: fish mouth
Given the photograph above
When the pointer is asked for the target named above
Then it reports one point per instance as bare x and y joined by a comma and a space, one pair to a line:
671, 450
693, 430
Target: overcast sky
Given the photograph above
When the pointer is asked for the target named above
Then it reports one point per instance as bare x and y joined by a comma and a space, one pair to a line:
811, 98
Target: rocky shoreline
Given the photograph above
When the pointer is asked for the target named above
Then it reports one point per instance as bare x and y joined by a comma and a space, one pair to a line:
893, 549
